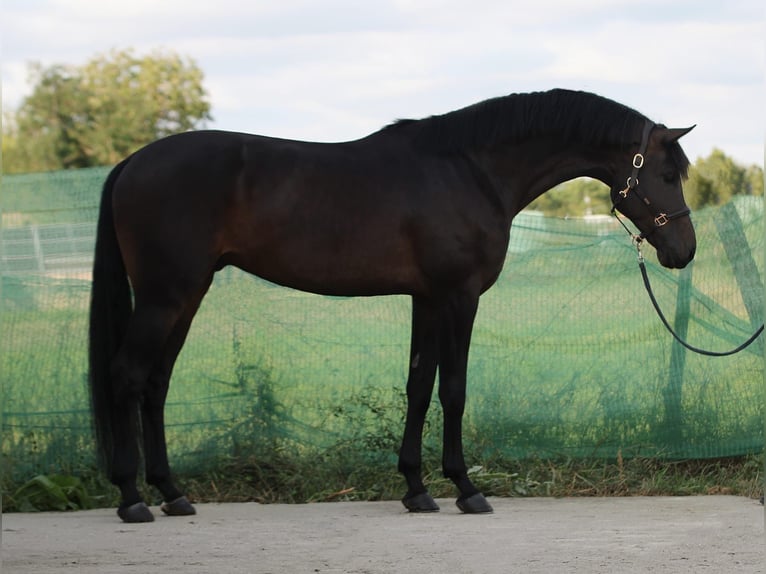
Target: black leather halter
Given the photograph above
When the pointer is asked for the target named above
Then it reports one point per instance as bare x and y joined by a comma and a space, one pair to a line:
661, 218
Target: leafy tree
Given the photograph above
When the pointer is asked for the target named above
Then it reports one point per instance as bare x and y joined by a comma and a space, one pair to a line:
575, 198
754, 180
98, 113
716, 179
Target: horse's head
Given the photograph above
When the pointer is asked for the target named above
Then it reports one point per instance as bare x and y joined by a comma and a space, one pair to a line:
648, 192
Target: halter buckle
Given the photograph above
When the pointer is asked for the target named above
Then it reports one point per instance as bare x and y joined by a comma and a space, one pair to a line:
638, 161
661, 219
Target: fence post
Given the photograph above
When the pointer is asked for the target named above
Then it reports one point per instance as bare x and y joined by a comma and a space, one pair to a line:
740, 255
673, 423
39, 256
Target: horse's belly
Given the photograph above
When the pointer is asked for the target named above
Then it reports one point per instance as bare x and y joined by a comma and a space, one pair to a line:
342, 272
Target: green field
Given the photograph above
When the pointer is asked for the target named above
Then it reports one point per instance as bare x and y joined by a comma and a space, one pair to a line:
568, 361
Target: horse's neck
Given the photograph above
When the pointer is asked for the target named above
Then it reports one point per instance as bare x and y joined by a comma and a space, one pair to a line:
527, 170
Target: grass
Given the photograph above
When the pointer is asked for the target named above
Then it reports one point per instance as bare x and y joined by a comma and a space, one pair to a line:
284, 479
249, 481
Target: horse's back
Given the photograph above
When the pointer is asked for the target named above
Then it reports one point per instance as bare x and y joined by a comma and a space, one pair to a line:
366, 217
330, 218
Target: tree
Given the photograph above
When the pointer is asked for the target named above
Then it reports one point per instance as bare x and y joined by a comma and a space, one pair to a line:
575, 198
715, 180
98, 113
754, 180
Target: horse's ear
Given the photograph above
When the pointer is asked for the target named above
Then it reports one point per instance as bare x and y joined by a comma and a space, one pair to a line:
674, 134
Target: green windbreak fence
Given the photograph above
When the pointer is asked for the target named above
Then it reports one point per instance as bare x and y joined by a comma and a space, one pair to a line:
568, 356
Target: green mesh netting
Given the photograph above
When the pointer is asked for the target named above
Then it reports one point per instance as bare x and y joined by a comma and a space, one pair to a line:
568, 357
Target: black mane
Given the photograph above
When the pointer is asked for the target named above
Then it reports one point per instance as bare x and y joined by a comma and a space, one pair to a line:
574, 116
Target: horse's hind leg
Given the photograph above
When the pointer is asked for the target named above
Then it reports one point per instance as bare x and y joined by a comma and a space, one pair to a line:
141, 373
153, 418
150, 326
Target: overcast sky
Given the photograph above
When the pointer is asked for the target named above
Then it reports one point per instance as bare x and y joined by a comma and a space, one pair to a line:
333, 70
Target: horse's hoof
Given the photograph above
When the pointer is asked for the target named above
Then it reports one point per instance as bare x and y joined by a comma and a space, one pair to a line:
137, 512
422, 502
474, 504
178, 507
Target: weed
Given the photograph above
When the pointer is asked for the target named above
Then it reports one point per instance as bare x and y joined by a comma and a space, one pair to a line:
52, 492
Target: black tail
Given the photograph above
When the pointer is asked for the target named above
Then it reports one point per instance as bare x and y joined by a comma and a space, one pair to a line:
110, 309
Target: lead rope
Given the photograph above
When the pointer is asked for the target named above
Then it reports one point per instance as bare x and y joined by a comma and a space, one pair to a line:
645, 275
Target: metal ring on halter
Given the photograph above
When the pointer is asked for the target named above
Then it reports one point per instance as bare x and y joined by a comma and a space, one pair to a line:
638, 161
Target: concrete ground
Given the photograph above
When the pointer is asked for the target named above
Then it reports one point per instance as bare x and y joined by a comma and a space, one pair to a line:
716, 534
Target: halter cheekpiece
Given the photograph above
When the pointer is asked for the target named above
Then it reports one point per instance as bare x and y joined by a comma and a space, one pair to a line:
661, 218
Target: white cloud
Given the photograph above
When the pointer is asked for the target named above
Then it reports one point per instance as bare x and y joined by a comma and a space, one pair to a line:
660, 52
335, 69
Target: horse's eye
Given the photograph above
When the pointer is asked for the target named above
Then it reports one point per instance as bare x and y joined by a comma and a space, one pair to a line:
670, 177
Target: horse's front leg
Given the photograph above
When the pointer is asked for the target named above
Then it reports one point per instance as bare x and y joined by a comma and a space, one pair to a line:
455, 337
420, 384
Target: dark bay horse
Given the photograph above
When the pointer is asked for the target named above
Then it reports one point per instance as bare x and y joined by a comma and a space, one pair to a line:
421, 207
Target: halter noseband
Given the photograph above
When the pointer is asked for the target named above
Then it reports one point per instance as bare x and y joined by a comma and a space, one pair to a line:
632, 186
